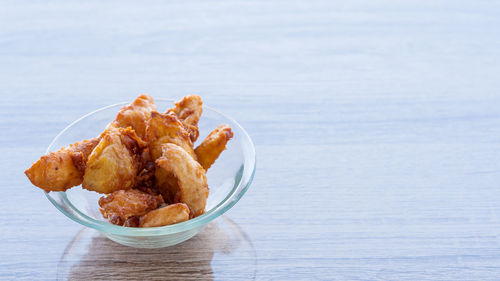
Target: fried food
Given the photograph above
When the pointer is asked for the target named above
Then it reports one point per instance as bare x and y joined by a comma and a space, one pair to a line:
189, 110
144, 161
122, 205
182, 177
63, 169
167, 215
166, 128
145, 179
114, 162
213, 145
135, 115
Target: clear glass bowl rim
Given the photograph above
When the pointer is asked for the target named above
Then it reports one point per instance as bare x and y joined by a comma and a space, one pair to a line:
229, 201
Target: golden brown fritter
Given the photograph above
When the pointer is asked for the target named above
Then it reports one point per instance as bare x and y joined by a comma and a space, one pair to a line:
182, 178
114, 162
144, 160
135, 115
63, 169
165, 216
122, 205
166, 128
213, 145
189, 110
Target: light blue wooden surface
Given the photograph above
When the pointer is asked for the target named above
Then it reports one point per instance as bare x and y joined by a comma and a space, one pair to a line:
376, 126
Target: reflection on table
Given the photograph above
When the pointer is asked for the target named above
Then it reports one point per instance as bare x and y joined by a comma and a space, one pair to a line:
221, 249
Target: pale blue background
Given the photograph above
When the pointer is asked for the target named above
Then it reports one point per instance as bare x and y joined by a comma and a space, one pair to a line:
376, 123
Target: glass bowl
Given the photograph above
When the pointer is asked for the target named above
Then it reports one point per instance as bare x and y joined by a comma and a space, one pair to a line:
228, 179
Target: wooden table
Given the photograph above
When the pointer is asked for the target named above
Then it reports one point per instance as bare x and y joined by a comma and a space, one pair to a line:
376, 126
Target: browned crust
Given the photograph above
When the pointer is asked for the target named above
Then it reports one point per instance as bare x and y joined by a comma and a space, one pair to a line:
213, 145
141, 153
120, 206
167, 128
115, 161
182, 178
79, 161
167, 215
135, 145
189, 110
63, 169
135, 115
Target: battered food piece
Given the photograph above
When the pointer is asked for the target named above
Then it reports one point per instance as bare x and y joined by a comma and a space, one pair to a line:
145, 179
166, 128
135, 115
63, 169
178, 174
144, 161
122, 205
114, 162
167, 215
189, 110
213, 145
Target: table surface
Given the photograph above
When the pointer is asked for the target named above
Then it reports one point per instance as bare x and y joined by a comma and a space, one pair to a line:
376, 126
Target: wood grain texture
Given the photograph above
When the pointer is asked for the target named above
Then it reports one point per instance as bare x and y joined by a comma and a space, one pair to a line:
376, 127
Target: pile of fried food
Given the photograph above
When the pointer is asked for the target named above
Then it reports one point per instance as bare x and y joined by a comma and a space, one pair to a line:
144, 161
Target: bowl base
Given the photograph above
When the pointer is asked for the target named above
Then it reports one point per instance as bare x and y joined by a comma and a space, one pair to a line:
153, 242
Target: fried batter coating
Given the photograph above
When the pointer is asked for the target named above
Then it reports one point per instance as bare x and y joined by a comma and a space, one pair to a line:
166, 128
63, 169
189, 110
132, 222
182, 177
213, 145
122, 205
135, 115
144, 161
145, 179
167, 215
114, 162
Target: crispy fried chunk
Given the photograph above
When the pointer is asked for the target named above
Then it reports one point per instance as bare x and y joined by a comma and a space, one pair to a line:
189, 110
166, 128
63, 169
121, 206
114, 162
213, 145
165, 216
135, 115
182, 178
